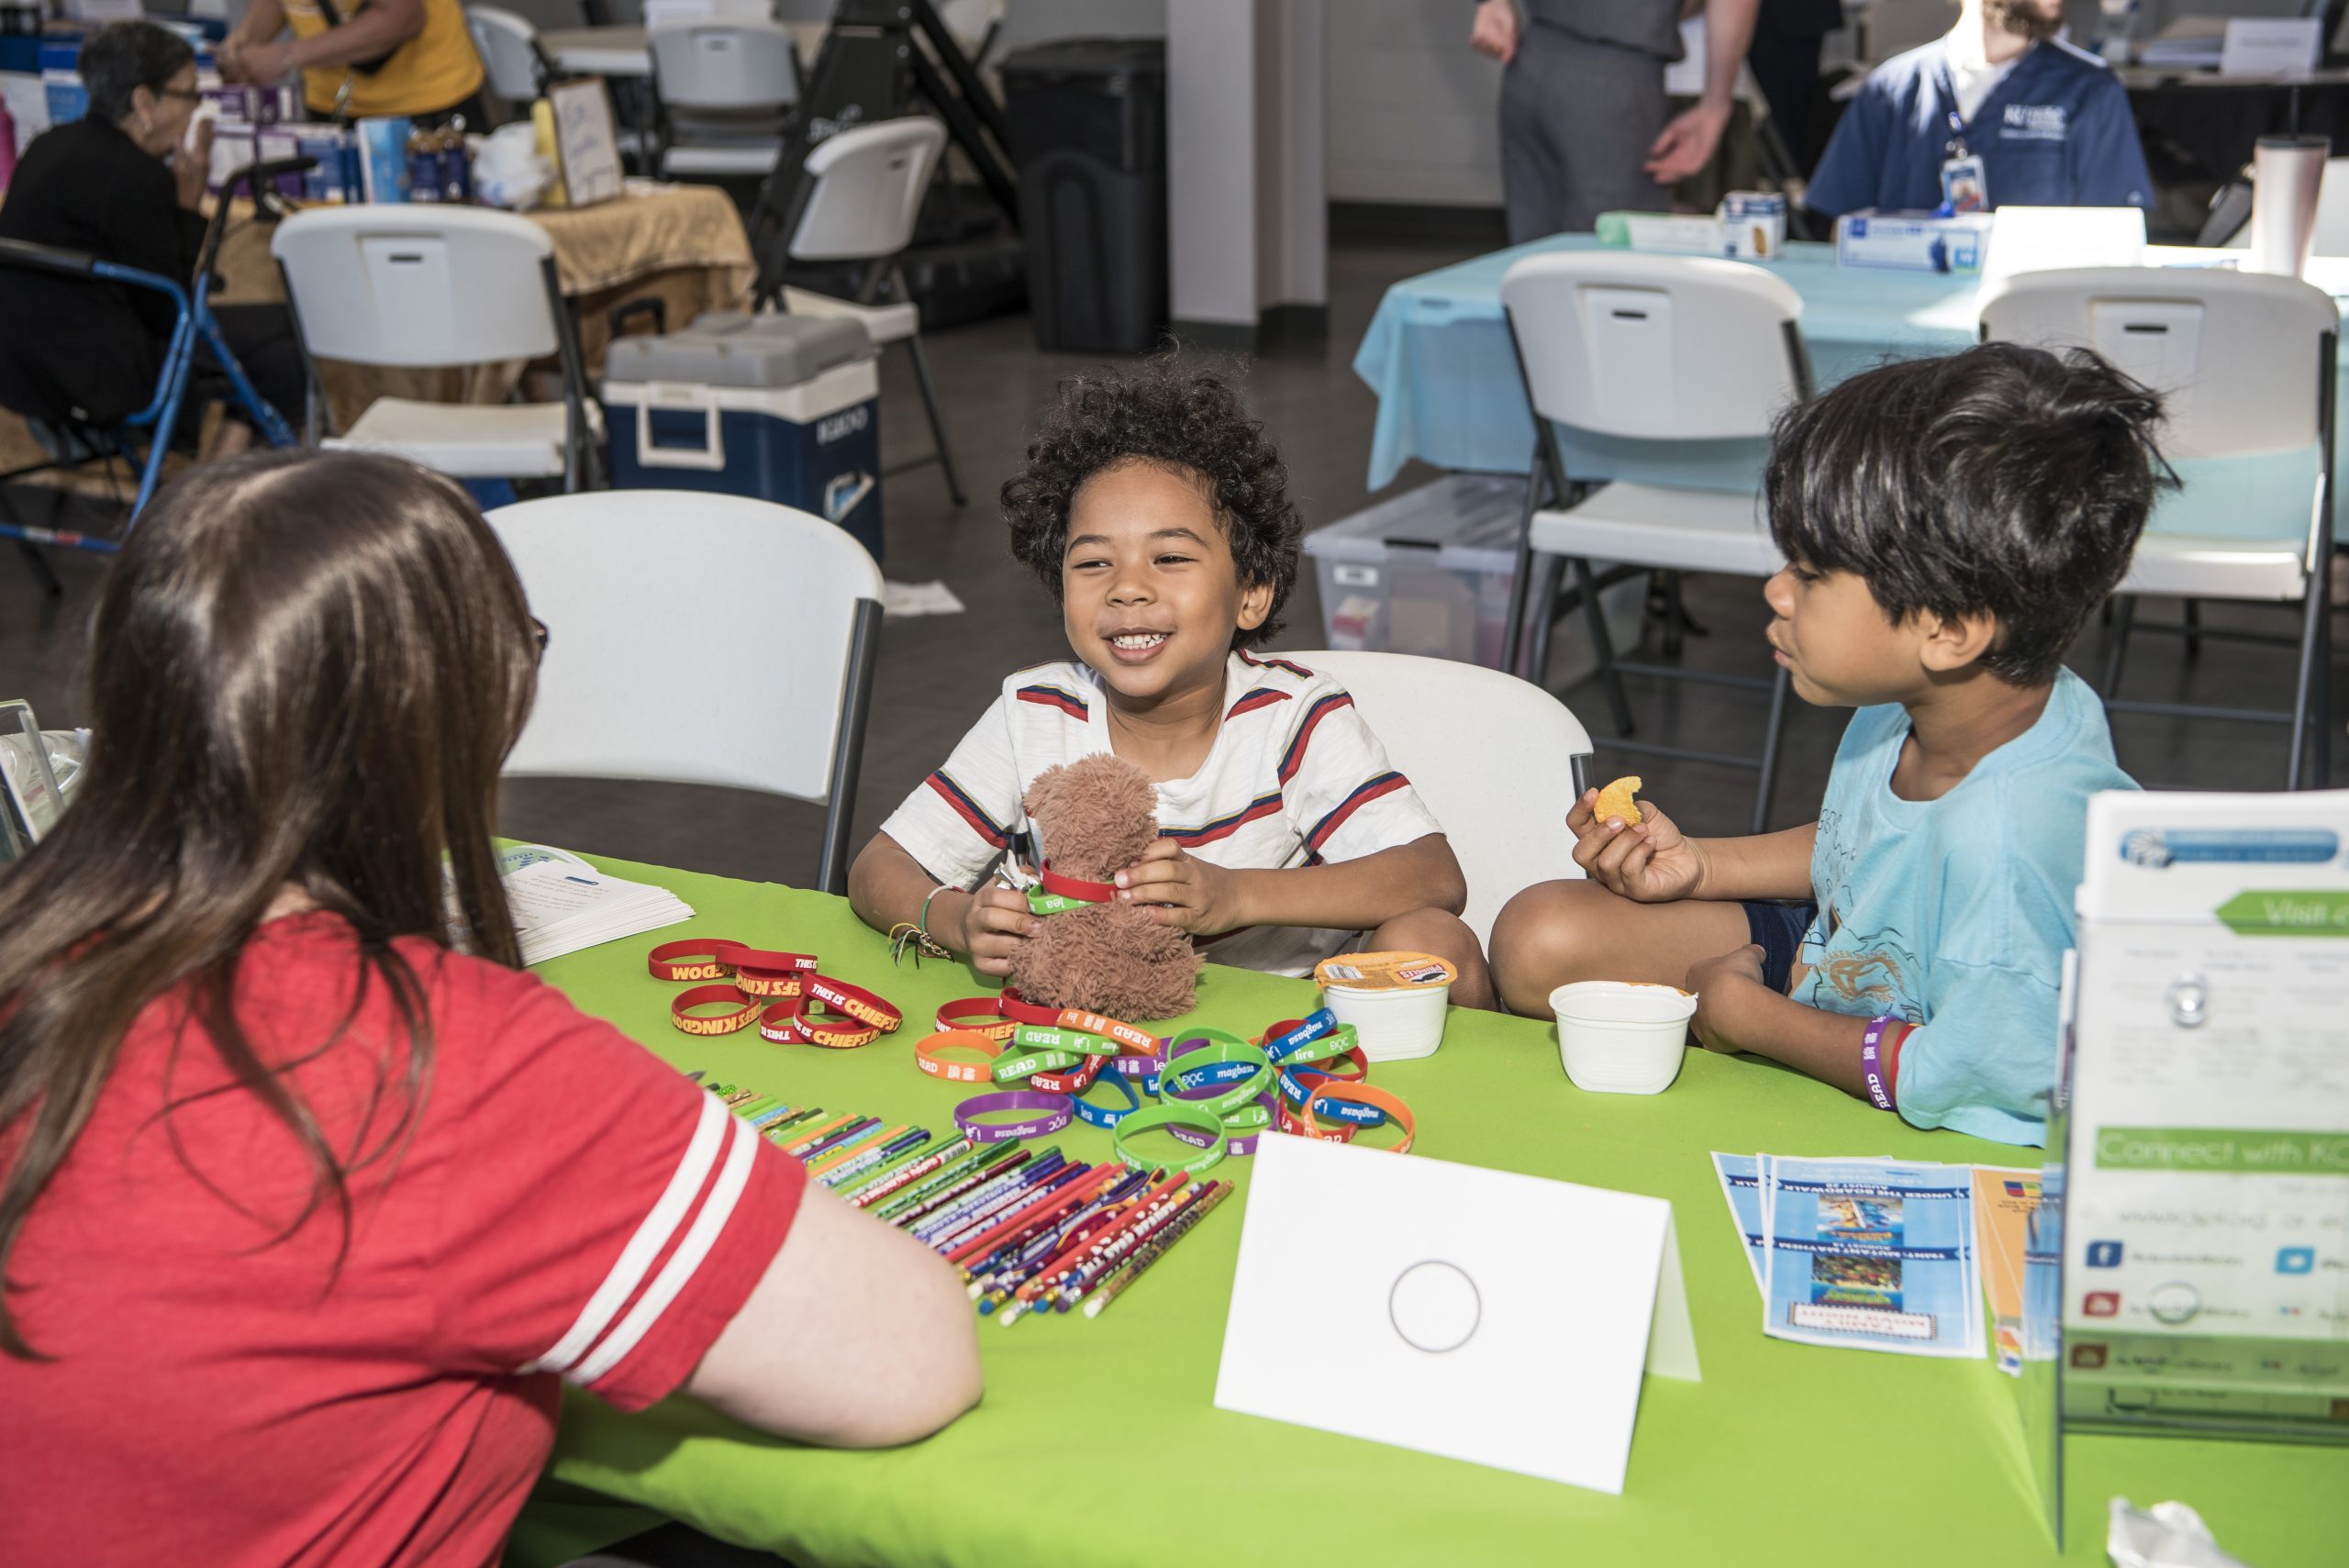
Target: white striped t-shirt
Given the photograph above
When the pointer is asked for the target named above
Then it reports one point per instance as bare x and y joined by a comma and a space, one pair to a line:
1295, 778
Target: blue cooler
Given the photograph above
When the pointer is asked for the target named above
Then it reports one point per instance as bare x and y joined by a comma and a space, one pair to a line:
784, 408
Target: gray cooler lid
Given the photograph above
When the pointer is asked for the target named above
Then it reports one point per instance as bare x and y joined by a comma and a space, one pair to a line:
733, 347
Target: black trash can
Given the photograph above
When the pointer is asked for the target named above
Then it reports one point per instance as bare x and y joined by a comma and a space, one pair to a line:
1087, 118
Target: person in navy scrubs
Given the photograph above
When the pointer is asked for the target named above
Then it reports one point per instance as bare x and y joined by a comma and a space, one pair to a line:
2035, 121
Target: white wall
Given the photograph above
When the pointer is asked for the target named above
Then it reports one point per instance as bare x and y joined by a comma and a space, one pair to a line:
1413, 111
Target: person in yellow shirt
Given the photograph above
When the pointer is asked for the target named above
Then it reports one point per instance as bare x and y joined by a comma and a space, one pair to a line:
359, 59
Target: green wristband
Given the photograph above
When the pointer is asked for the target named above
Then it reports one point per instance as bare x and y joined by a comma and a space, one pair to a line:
1045, 1037
1042, 903
1219, 1047
1011, 1067
1158, 1117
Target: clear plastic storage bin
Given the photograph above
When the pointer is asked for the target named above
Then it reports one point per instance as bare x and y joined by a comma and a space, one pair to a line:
1429, 571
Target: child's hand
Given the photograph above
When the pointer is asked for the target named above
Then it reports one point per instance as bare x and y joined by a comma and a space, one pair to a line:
1723, 985
995, 924
1647, 861
1181, 890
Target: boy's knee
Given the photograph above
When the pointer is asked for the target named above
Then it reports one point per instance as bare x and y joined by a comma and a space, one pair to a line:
1543, 938
1444, 935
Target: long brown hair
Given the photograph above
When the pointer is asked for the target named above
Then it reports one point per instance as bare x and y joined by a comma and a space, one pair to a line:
305, 671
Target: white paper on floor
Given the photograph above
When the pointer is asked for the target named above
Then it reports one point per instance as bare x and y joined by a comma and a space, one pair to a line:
919, 599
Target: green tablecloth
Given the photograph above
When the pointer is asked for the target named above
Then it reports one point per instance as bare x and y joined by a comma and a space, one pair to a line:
1098, 1441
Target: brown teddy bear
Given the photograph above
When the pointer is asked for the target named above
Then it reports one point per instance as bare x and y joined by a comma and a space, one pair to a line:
1094, 817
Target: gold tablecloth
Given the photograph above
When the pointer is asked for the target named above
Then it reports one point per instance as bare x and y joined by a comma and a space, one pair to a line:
684, 245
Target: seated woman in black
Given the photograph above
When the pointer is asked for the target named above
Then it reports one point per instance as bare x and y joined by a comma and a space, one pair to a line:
85, 351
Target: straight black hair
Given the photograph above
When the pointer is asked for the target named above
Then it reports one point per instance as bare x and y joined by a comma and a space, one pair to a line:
2003, 479
122, 57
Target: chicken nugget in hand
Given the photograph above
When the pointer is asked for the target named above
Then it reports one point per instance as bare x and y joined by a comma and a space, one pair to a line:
1615, 801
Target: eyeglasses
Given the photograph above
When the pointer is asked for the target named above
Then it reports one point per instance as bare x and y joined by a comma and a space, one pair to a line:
538, 630
190, 93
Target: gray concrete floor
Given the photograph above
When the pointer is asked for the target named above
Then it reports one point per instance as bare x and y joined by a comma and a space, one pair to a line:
937, 674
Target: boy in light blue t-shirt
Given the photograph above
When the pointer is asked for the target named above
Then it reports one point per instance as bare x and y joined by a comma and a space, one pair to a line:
1949, 525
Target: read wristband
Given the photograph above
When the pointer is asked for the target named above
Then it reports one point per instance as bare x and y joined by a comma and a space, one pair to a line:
1040, 1114
928, 1058
1067, 1081
1239, 1139
745, 1010
1164, 1117
1052, 1037
1875, 1062
1030, 1061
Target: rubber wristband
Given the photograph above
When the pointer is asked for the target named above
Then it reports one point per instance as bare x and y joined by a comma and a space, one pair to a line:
746, 1010
1238, 1139
855, 1001
1125, 1034
1166, 1115
1874, 1069
1074, 887
1031, 1061
1334, 1096
927, 1057
1898, 1043
770, 982
980, 1015
770, 958
1180, 1074
1041, 1114
1052, 1037
795, 1022
1108, 1115
1040, 903
1290, 1120
1019, 1010
695, 958
1340, 1042
1283, 1039
1067, 1081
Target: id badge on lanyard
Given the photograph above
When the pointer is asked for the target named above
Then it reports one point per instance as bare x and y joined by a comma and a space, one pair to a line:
1965, 187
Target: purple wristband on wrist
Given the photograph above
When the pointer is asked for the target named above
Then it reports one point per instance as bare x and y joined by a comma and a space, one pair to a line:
1872, 1063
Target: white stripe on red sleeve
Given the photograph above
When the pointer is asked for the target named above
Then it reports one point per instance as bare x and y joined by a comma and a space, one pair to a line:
651, 1237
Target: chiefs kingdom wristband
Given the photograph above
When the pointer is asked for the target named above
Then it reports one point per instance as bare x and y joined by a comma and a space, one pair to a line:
744, 1009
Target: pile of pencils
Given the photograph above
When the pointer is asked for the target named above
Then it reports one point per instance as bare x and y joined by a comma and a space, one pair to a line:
1032, 1230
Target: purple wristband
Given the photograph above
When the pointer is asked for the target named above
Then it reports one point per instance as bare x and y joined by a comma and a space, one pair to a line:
1055, 1113
1880, 1082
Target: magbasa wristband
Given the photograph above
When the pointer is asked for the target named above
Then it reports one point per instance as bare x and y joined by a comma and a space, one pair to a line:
1212, 1047
928, 1058
1166, 1115
1040, 1114
745, 1010
1336, 1100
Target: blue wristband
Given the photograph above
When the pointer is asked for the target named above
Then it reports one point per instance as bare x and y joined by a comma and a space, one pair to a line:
1108, 1115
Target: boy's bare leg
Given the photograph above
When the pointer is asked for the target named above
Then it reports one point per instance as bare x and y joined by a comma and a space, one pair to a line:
1446, 936
1560, 931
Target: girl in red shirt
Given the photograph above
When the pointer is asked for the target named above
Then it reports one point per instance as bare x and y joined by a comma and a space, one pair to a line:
303, 1209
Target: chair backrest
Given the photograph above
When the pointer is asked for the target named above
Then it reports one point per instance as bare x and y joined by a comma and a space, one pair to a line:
1655, 347
508, 46
418, 285
869, 182
622, 580
2244, 361
1498, 760
737, 63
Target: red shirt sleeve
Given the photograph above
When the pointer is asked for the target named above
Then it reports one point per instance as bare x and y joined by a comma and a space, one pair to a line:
602, 1216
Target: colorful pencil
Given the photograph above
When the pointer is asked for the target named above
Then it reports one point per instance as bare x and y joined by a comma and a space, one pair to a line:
1138, 1262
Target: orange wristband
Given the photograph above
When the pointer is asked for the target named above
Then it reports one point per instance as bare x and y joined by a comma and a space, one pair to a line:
1361, 1094
926, 1056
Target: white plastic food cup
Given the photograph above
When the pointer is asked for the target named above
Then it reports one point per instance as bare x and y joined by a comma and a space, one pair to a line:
1620, 1037
1392, 1026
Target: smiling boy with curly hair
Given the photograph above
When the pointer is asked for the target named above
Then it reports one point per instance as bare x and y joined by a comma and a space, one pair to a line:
1157, 513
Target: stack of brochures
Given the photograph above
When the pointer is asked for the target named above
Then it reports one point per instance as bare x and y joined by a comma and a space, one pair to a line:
1865, 1253
561, 904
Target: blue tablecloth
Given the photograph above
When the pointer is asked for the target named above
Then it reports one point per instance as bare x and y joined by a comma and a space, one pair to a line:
1438, 355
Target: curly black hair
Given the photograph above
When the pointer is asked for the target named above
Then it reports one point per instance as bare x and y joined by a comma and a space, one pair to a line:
1184, 418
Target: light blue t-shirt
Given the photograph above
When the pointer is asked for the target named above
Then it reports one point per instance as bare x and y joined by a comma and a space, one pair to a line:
1954, 914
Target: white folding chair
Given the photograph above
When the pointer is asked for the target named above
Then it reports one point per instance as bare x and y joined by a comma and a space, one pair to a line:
1498, 760
1656, 355
427, 285
2245, 365
622, 581
508, 46
862, 194
725, 87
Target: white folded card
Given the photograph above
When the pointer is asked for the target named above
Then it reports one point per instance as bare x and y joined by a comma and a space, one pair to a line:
2271, 46
1481, 1314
